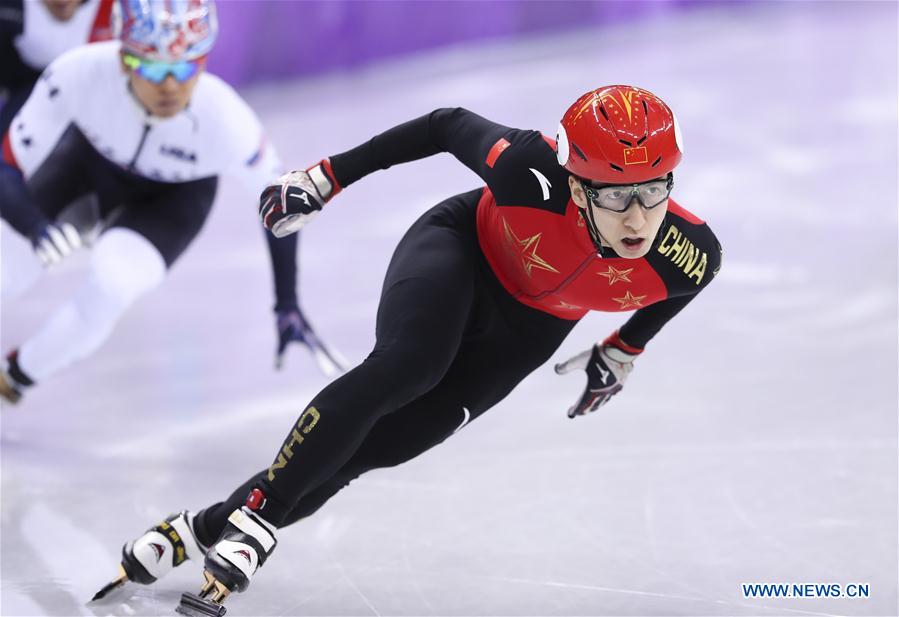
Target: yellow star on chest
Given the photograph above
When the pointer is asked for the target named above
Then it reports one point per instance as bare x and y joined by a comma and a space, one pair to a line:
526, 250
629, 300
614, 275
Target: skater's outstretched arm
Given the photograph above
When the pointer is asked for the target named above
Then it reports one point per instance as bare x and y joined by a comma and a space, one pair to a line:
256, 163
692, 258
464, 134
296, 198
35, 132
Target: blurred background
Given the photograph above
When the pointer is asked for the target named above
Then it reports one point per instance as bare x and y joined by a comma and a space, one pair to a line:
756, 441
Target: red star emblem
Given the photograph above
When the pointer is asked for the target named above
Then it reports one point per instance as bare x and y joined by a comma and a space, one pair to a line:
629, 300
614, 275
526, 250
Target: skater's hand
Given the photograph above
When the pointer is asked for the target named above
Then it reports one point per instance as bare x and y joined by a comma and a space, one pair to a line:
293, 327
55, 242
607, 368
294, 199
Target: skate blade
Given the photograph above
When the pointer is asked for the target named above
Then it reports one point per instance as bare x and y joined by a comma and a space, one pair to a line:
208, 603
120, 580
193, 605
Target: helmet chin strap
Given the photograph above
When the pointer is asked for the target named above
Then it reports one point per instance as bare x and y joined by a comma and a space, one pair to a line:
593, 230
599, 242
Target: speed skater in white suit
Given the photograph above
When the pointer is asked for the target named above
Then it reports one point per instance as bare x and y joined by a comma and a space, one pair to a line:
138, 126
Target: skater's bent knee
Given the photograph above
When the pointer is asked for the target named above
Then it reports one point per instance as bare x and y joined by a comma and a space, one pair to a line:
408, 371
124, 266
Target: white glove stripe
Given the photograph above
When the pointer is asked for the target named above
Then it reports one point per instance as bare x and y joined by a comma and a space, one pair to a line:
59, 241
72, 236
48, 253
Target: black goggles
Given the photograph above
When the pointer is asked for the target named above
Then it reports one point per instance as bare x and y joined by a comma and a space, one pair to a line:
617, 198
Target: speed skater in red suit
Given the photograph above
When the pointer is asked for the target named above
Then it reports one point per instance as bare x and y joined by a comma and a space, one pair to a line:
480, 292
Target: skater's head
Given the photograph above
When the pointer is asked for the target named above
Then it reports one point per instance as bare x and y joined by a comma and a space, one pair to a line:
621, 145
164, 48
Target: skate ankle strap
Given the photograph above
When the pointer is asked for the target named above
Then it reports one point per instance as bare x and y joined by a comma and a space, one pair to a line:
183, 523
254, 527
168, 530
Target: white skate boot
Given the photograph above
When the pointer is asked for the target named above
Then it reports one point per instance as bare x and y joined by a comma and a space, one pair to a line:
243, 547
157, 552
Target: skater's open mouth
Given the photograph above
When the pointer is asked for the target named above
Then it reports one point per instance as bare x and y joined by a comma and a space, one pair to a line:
632, 242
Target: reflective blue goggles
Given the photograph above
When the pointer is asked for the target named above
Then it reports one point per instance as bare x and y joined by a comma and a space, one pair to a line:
155, 71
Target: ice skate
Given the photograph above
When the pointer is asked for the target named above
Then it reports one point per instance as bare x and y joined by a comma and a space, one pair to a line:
156, 553
12, 380
245, 544
8, 391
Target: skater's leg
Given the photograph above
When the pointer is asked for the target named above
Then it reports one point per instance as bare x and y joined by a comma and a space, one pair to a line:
421, 319
20, 267
505, 343
394, 439
428, 309
124, 266
129, 260
59, 181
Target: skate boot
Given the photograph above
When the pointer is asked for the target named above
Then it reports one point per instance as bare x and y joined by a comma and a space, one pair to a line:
243, 547
157, 552
12, 380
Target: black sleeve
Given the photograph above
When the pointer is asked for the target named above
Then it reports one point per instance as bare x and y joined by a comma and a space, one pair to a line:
518, 166
464, 134
646, 323
283, 252
16, 205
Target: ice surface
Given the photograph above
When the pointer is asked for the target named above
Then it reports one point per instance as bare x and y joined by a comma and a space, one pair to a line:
756, 441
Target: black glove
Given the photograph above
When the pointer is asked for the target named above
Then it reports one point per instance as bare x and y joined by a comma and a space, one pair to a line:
607, 367
293, 327
292, 200
55, 241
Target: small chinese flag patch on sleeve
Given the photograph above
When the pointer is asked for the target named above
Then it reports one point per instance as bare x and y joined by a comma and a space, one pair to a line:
498, 148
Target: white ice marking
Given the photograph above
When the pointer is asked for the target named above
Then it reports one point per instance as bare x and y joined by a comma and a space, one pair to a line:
204, 422
355, 588
65, 551
654, 594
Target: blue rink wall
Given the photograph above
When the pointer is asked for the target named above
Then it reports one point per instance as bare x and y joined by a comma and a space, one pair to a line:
263, 40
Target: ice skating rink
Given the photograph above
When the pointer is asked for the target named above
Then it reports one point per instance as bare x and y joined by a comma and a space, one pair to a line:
756, 441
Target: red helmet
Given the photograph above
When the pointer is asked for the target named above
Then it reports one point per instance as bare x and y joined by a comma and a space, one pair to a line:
619, 135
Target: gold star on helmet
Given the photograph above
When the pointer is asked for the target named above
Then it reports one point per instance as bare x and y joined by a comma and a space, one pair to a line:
629, 300
614, 275
526, 250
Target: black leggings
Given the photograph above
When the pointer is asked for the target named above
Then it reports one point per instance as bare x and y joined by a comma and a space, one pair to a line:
451, 342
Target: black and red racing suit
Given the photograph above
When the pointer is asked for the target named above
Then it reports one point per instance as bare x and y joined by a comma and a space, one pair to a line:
481, 291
